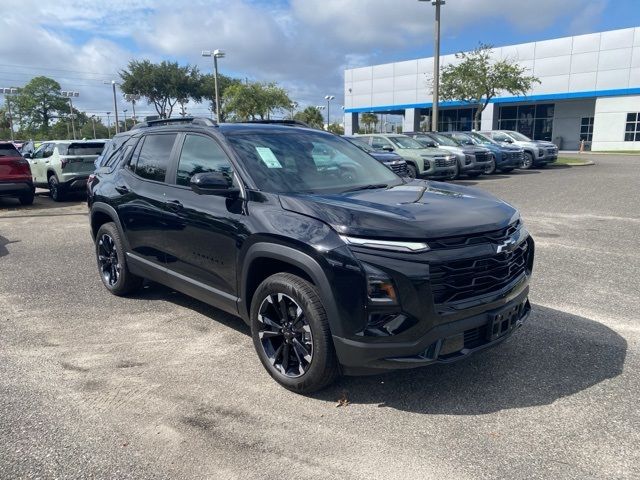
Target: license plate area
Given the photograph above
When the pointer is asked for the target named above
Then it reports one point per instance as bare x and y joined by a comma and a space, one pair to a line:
503, 322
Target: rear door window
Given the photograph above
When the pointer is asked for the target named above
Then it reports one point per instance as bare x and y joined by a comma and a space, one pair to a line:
153, 158
8, 150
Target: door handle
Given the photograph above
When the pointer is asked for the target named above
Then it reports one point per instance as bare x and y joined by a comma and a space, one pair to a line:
174, 205
122, 189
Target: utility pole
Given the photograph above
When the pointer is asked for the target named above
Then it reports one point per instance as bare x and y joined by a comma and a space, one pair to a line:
70, 95
436, 65
109, 124
7, 92
216, 54
115, 102
328, 98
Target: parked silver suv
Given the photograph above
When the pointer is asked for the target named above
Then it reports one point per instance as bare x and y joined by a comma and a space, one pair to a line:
422, 160
536, 152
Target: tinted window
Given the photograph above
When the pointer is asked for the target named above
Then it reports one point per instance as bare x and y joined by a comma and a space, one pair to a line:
200, 154
379, 142
8, 150
153, 159
87, 149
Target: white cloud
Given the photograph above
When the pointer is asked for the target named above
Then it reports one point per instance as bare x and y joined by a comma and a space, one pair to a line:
302, 44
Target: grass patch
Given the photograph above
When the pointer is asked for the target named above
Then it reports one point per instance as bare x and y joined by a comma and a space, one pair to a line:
627, 152
571, 161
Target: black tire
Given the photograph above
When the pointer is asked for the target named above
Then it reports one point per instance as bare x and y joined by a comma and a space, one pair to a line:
27, 198
306, 326
491, 168
55, 190
456, 173
412, 171
527, 161
116, 278
506, 170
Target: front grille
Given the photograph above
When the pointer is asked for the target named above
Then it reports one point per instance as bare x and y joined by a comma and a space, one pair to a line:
445, 162
517, 155
495, 236
463, 279
552, 151
483, 157
399, 169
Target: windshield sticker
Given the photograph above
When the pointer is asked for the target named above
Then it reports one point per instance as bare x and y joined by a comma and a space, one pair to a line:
268, 158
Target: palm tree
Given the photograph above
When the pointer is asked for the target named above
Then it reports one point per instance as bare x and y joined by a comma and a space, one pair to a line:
368, 119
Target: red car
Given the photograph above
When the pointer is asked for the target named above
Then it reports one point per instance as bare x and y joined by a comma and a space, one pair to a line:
15, 175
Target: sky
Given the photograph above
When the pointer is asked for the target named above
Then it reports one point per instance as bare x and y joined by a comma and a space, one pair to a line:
304, 45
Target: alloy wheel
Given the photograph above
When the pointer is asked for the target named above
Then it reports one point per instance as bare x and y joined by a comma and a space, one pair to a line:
108, 260
527, 162
285, 335
491, 168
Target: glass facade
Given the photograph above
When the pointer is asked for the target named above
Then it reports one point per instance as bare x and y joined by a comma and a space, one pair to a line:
632, 130
586, 129
534, 121
451, 119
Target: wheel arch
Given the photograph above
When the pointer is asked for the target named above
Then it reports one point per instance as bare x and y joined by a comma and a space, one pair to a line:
265, 259
102, 213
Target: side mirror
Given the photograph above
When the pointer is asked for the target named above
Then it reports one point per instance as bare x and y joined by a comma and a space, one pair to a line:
387, 148
214, 183
27, 155
508, 140
430, 144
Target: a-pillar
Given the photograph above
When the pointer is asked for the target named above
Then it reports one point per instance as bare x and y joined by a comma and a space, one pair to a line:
411, 120
351, 125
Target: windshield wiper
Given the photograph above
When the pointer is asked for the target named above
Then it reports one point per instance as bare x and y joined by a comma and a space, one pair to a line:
372, 186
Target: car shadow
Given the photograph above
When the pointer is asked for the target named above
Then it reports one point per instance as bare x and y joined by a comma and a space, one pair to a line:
42, 201
554, 355
4, 241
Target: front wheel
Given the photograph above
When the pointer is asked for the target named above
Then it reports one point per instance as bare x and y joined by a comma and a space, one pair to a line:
412, 171
527, 161
456, 173
491, 168
291, 334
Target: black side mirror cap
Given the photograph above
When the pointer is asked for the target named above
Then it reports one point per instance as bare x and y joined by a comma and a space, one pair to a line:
214, 183
387, 148
27, 155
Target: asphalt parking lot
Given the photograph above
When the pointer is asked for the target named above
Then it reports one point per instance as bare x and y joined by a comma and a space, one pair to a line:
162, 386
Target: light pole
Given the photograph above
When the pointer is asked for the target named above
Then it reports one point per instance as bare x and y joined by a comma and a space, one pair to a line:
133, 98
124, 112
7, 92
93, 121
216, 54
436, 65
69, 94
109, 124
293, 106
328, 98
115, 101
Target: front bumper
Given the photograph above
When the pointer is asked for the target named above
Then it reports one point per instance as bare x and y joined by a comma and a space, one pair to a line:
15, 188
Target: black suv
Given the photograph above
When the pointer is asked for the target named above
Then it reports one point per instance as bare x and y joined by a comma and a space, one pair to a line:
336, 263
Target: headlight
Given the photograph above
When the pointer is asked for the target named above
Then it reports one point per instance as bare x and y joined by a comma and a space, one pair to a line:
393, 245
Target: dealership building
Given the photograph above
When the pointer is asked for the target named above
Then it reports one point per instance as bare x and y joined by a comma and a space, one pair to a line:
589, 90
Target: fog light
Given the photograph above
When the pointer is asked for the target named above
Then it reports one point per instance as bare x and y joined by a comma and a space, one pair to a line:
380, 288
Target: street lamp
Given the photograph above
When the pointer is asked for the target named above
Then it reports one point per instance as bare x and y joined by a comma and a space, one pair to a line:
109, 124
69, 94
93, 121
328, 98
216, 54
133, 98
293, 106
115, 102
7, 92
436, 65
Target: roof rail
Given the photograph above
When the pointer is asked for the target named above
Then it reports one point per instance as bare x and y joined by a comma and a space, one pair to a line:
280, 122
201, 121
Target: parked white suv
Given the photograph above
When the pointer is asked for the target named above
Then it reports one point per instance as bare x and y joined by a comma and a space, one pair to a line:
64, 166
536, 152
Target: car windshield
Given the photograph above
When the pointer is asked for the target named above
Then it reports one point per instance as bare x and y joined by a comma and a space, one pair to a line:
406, 142
88, 149
361, 145
481, 139
520, 137
308, 162
447, 141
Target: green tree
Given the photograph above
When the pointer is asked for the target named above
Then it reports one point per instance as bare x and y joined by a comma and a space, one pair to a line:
207, 91
336, 128
163, 84
477, 79
311, 116
248, 101
37, 103
369, 119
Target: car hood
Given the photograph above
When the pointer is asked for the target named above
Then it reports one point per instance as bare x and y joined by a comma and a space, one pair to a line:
415, 210
543, 143
474, 149
421, 152
386, 156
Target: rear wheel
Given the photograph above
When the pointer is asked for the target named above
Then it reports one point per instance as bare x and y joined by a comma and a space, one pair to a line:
55, 190
527, 161
27, 198
291, 334
112, 265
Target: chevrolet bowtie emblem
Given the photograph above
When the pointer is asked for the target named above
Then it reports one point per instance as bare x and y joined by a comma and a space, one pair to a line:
507, 246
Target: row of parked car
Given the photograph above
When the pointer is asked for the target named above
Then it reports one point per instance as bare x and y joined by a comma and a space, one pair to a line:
63, 166
449, 155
